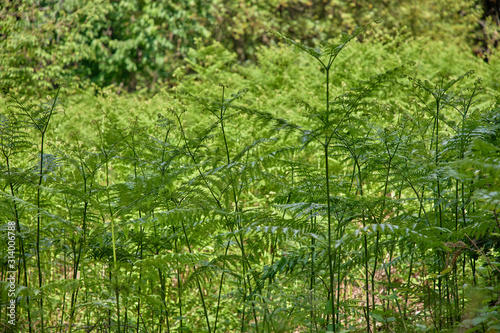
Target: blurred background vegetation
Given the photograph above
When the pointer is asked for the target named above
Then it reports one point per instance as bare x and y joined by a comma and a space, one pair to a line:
136, 44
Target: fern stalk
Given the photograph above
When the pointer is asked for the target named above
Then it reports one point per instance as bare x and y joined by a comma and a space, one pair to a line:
236, 209
197, 278
76, 264
222, 111
42, 128
112, 222
332, 51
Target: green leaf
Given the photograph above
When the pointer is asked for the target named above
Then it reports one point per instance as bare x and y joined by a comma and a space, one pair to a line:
328, 307
315, 52
479, 320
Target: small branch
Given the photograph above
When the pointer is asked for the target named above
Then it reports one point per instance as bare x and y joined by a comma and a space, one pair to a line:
496, 218
485, 257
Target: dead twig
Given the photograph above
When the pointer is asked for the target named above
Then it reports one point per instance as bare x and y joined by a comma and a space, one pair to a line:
485, 257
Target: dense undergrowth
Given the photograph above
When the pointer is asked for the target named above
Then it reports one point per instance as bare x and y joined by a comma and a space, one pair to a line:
328, 189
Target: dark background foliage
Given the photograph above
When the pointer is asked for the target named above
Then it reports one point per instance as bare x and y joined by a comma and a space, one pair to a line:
136, 43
